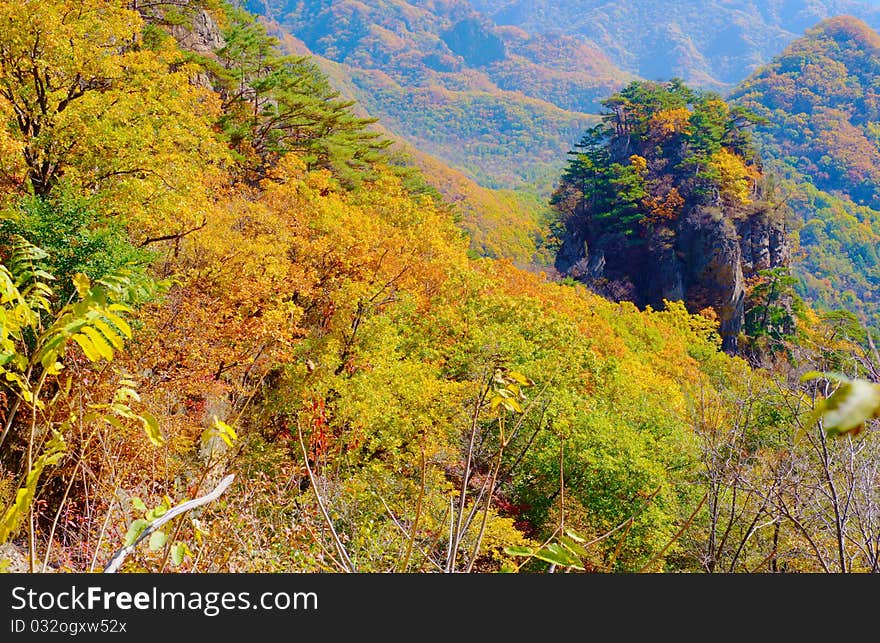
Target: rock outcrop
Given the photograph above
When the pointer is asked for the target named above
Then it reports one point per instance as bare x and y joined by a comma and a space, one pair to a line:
665, 199
201, 34
192, 26
194, 29
704, 261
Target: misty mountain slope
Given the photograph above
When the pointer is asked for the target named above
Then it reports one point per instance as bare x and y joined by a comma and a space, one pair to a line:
820, 101
709, 43
509, 223
489, 88
500, 104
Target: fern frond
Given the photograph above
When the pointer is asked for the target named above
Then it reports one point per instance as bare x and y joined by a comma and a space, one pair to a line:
94, 323
25, 267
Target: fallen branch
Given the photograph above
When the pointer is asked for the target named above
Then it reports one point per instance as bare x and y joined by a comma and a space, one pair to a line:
119, 557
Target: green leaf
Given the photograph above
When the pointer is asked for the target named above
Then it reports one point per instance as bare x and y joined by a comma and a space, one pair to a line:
575, 537
179, 550
555, 553
176, 554
123, 411
849, 407
134, 530
572, 546
138, 504
518, 550
157, 512
52, 349
114, 421
157, 540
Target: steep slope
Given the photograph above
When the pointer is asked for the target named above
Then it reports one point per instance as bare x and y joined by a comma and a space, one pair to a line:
709, 43
373, 399
510, 223
820, 97
498, 104
324, 339
820, 102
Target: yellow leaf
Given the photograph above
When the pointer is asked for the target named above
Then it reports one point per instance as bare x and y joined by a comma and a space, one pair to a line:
101, 345
82, 285
151, 426
117, 321
86, 345
108, 331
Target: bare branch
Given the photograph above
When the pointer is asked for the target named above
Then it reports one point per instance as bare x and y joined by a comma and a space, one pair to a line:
119, 557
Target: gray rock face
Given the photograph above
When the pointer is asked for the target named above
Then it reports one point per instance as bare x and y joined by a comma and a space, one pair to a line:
704, 260
199, 33
203, 35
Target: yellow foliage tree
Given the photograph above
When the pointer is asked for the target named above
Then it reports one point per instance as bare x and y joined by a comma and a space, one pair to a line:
670, 121
737, 178
83, 101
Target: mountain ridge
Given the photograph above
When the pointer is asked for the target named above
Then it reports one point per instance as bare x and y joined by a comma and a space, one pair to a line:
712, 44
819, 102
527, 110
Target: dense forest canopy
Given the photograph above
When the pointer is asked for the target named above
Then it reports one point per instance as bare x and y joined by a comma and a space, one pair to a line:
650, 132
818, 104
212, 267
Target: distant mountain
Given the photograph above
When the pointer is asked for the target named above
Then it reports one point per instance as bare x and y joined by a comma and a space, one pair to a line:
821, 102
489, 96
496, 88
708, 43
821, 97
509, 223
501, 104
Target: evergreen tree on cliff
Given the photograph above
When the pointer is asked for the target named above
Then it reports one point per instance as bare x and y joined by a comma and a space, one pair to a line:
665, 199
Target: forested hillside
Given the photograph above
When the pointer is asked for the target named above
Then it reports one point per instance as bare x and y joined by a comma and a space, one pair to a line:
712, 44
508, 224
500, 105
497, 175
666, 200
476, 84
211, 266
819, 102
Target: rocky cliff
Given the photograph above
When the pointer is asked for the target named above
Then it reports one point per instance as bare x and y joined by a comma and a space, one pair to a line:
191, 24
666, 201
706, 262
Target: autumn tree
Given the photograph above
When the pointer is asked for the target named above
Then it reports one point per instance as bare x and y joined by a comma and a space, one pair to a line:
86, 103
660, 146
